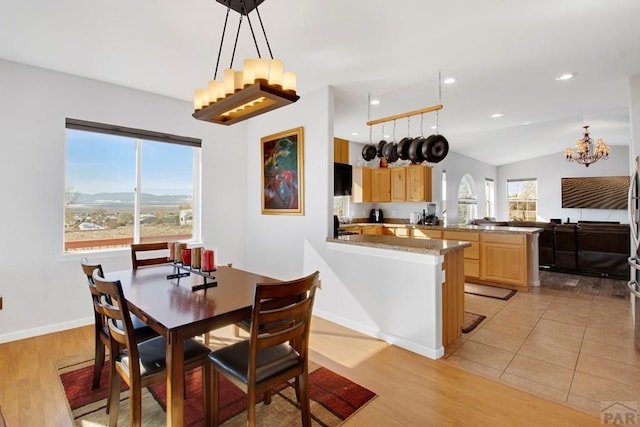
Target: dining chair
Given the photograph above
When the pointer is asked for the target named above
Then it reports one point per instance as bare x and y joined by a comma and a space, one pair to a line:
276, 350
141, 363
138, 248
101, 330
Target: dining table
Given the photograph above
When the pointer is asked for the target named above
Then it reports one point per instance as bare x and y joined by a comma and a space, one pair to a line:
179, 308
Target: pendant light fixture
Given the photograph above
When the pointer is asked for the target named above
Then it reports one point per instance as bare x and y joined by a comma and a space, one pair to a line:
261, 86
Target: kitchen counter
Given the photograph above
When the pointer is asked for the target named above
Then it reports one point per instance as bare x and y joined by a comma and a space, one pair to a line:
484, 228
423, 246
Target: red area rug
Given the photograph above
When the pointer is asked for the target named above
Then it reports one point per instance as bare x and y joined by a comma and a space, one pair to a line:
333, 399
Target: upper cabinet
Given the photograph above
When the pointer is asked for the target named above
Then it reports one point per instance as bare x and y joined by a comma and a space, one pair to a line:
340, 150
400, 184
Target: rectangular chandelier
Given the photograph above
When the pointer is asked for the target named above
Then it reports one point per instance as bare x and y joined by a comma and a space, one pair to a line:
261, 86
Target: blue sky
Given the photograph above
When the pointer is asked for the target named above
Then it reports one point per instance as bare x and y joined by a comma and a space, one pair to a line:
106, 163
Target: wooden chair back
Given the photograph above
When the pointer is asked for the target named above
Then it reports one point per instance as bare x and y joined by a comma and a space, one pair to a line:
138, 248
88, 270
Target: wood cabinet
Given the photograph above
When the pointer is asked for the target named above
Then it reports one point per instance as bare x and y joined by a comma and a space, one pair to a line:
380, 185
398, 184
422, 233
504, 258
471, 254
396, 231
361, 188
340, 150
418, 183
452, 297
375, 230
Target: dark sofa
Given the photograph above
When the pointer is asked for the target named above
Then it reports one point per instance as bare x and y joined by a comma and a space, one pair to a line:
597, 248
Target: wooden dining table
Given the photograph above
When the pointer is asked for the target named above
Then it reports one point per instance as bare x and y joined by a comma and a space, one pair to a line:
176, 311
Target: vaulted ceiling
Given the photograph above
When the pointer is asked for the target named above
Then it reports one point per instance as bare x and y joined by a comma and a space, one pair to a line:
504, 55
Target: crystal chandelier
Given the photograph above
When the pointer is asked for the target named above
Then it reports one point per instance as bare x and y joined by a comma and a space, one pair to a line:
586, 153
262, 85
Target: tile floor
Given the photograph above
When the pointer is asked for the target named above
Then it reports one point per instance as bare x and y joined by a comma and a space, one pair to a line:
570, 340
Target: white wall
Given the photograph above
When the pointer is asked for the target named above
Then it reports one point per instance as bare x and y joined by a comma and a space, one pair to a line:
44, 290
548, 170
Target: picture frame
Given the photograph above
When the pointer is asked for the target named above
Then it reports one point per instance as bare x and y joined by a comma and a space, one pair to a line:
282, 158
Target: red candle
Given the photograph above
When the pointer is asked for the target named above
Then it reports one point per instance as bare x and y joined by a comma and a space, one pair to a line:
186, 256
207, 260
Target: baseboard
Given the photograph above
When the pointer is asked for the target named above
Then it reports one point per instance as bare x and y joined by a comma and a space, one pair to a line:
43, 330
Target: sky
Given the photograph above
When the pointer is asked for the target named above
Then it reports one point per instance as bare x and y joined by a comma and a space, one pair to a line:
99, 163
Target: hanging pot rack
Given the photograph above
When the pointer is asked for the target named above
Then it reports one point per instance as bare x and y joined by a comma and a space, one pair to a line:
405, 115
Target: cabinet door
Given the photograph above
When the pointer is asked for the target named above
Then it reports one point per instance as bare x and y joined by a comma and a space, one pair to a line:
471, 254
374, 230
340, 150
361, 188
418, 183
380, 185
422, 233
504, 258
398, 184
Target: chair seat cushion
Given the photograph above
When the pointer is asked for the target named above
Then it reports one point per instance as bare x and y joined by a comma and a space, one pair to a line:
234, 360
153, 355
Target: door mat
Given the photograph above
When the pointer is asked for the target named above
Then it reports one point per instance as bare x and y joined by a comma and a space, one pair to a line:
488, 291
471, 321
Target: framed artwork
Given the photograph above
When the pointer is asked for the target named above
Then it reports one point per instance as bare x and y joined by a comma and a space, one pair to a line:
283, 173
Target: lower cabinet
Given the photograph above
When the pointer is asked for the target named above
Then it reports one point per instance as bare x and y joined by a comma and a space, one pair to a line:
504, 258
471, 254
452, 297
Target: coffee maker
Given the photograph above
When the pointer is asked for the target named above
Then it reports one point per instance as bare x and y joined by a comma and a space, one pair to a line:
429, 215
376, 215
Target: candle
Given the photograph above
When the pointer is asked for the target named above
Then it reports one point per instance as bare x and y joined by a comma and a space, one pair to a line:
178, 251
196, 257
208, 260
186, 256
172, 251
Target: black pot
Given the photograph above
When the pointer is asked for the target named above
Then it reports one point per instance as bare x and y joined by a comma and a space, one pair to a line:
381, 145
369, 152
435, 148
391, 152
403, 148
415, 151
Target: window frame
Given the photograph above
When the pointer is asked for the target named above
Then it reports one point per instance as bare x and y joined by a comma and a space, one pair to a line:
523, 182
139, 136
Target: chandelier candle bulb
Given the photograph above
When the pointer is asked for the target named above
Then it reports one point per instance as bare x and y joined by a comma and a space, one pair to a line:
261, 70
229, 81
248, 72
276, 73
238, 79
289, 82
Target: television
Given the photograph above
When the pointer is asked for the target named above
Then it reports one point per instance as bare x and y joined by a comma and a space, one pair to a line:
599, 192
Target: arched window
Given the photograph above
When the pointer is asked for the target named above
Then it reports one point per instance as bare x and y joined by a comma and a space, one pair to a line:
467, 200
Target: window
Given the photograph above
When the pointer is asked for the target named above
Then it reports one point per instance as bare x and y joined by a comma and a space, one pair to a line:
128, 186
522, 196
467, 200
490, 197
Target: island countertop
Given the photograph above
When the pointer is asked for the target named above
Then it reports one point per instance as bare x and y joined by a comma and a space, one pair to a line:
424, 246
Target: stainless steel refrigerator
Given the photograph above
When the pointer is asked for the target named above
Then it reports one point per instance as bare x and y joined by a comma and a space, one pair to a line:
634, 259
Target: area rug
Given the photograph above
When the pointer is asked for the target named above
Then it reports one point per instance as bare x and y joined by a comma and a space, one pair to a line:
488, 291
333, 399
471, 321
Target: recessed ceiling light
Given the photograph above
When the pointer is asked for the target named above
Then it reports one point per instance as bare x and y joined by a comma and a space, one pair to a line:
449, 80
496, 115
375, 101
386, 136
565, 76
354, 133
528, 122
434, 127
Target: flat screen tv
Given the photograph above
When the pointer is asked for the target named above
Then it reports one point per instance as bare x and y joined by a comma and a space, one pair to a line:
599, 192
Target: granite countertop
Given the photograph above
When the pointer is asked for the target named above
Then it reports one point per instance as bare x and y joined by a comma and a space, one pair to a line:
425, 246
483, 228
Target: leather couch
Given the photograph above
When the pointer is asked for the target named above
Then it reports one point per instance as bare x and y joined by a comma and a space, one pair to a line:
590, 248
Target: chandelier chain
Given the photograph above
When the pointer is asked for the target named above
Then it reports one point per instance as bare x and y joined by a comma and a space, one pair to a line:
235, 44
224, 30
264, 32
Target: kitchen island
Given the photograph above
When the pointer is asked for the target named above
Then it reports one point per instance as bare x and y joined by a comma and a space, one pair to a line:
500, 256
408, 292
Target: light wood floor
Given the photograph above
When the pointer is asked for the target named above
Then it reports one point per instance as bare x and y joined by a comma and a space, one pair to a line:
412, 390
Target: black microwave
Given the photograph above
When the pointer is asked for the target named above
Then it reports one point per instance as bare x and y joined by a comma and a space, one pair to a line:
342, 177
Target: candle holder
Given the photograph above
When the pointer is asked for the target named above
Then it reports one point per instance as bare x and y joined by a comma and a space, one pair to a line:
182, 270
